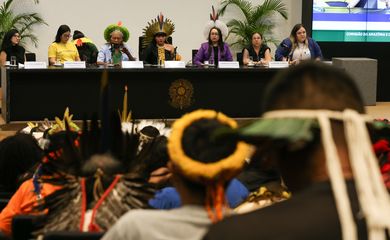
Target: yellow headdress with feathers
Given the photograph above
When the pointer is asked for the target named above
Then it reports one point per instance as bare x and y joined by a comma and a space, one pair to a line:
160, 25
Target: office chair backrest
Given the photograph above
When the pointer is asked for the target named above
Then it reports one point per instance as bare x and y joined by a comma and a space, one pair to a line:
194, 52
239, 58
73, 236
30, 57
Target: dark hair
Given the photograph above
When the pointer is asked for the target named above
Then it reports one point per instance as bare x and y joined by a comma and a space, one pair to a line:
313, 85
152, 156
7, 39
77, 34
220, 41
198, 143
18, 154
61, 30
154, 42
294, 30
261, 35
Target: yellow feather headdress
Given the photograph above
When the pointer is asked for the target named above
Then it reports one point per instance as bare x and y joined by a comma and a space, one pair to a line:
158, 25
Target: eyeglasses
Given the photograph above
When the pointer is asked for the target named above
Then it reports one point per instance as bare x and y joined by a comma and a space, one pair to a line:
17, 36
67, 35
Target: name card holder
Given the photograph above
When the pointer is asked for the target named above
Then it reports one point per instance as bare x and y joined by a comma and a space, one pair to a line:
278, 64
34, 65
132, 64
76, 64
228, 64
174, 64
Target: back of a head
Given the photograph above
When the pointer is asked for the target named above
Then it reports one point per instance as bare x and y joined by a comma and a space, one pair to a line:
18, 154
198, 142
313, 85
77, 34
198, 153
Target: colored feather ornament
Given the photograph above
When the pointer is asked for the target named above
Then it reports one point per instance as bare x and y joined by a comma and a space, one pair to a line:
157, 25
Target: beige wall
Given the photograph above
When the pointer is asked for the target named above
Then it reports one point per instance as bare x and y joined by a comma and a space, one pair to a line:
92, 16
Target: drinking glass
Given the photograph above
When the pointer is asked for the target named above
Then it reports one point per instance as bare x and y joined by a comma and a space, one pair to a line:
250, 60
13, 61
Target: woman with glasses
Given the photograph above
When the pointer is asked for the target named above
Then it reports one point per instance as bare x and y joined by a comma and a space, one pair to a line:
62, 49
11, 48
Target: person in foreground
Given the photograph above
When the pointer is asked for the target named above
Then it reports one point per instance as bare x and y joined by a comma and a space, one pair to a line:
259, 52
62, 49
10, 47
201, 167
115, 50
155, 39
298, 47
313, 116
215, 49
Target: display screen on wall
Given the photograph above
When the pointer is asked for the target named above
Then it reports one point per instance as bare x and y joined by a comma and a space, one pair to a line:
351, 21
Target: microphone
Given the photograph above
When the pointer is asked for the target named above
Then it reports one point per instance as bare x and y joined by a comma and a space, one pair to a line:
174, 53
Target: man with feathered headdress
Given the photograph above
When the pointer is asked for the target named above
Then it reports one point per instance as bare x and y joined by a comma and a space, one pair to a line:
158, 49
115, 50
215, 49
201, 167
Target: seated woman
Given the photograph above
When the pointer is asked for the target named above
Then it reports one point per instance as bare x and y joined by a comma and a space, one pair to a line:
87, 49
10, 47
115, 50
61, 49
215, 49
155, 38
298, 47
259, 52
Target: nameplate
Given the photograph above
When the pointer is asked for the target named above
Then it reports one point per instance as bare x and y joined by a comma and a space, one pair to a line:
34, 65
76, 64
228, 64
174, 64
132, 64
278, 64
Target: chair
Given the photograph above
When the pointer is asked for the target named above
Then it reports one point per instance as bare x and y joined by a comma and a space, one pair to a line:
73, 235
3, 237
141, 48
24, 225
3, 203
194, 52
239, 58
30, 57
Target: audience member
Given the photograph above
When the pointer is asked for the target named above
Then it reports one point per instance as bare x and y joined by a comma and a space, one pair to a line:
18, 155
317, 136
200, 167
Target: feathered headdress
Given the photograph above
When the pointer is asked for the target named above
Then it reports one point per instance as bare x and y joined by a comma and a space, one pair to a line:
113, 27
215, 22
212, 174
160, 25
